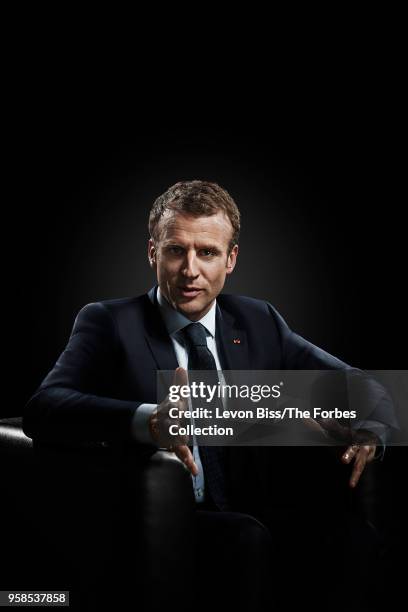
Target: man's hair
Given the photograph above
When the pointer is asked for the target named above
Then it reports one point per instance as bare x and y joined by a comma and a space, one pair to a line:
198, 198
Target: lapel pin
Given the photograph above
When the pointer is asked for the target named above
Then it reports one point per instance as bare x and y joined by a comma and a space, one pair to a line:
236, 341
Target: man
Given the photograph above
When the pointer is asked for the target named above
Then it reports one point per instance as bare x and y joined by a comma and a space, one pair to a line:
103, 387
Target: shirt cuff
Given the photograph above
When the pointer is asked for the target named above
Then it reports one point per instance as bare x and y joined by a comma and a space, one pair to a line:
381, 430
140, 423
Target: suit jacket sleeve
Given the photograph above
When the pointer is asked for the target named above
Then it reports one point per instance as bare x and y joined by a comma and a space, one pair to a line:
300, 354
74, 403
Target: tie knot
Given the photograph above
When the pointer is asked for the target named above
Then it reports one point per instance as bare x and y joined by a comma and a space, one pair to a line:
195, 334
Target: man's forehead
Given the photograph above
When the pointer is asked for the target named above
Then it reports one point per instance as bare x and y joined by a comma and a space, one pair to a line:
217, 226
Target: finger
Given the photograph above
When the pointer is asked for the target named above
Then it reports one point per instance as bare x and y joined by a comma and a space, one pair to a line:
358, 469
180, 377
184, 454
350, 453
371, 450
171, 437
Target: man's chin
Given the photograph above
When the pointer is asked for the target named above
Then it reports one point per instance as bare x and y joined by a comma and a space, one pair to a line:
192, 309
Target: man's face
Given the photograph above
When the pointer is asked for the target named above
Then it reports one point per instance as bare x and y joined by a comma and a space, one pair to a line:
192, 260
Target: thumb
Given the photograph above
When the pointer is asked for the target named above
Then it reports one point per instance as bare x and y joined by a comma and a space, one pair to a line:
180, 377
184, 454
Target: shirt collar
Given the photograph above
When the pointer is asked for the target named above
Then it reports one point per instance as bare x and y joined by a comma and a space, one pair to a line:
175, 321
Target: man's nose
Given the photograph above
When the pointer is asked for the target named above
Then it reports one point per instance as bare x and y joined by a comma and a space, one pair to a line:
190, 266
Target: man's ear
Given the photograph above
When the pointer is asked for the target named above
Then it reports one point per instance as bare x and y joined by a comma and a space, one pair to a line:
151, 254
232, 259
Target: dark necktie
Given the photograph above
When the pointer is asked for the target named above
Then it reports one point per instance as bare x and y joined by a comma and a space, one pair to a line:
212, 457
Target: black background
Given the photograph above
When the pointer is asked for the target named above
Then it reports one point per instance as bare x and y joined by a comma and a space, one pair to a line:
320, 193
315, 167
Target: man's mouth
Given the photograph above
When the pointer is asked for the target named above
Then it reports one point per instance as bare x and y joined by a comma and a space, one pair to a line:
189, 291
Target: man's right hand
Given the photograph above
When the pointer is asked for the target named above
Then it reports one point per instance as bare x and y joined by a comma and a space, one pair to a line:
160, 422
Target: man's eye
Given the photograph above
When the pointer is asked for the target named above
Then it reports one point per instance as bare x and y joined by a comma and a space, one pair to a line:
207, 252
175, 250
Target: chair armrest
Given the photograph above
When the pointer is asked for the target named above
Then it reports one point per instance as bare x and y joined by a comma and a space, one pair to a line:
99, 516
13, 440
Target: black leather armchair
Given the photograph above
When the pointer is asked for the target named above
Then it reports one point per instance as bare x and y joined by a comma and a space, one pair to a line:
113, 526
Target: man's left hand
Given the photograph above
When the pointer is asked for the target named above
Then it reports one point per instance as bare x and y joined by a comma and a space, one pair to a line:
361, 454
362, 451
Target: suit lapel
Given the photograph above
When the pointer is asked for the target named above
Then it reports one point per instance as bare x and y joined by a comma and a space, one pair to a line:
157, 336
231, 341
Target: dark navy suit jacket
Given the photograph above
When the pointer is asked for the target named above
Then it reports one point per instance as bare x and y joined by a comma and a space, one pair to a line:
109, 365
116, 347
